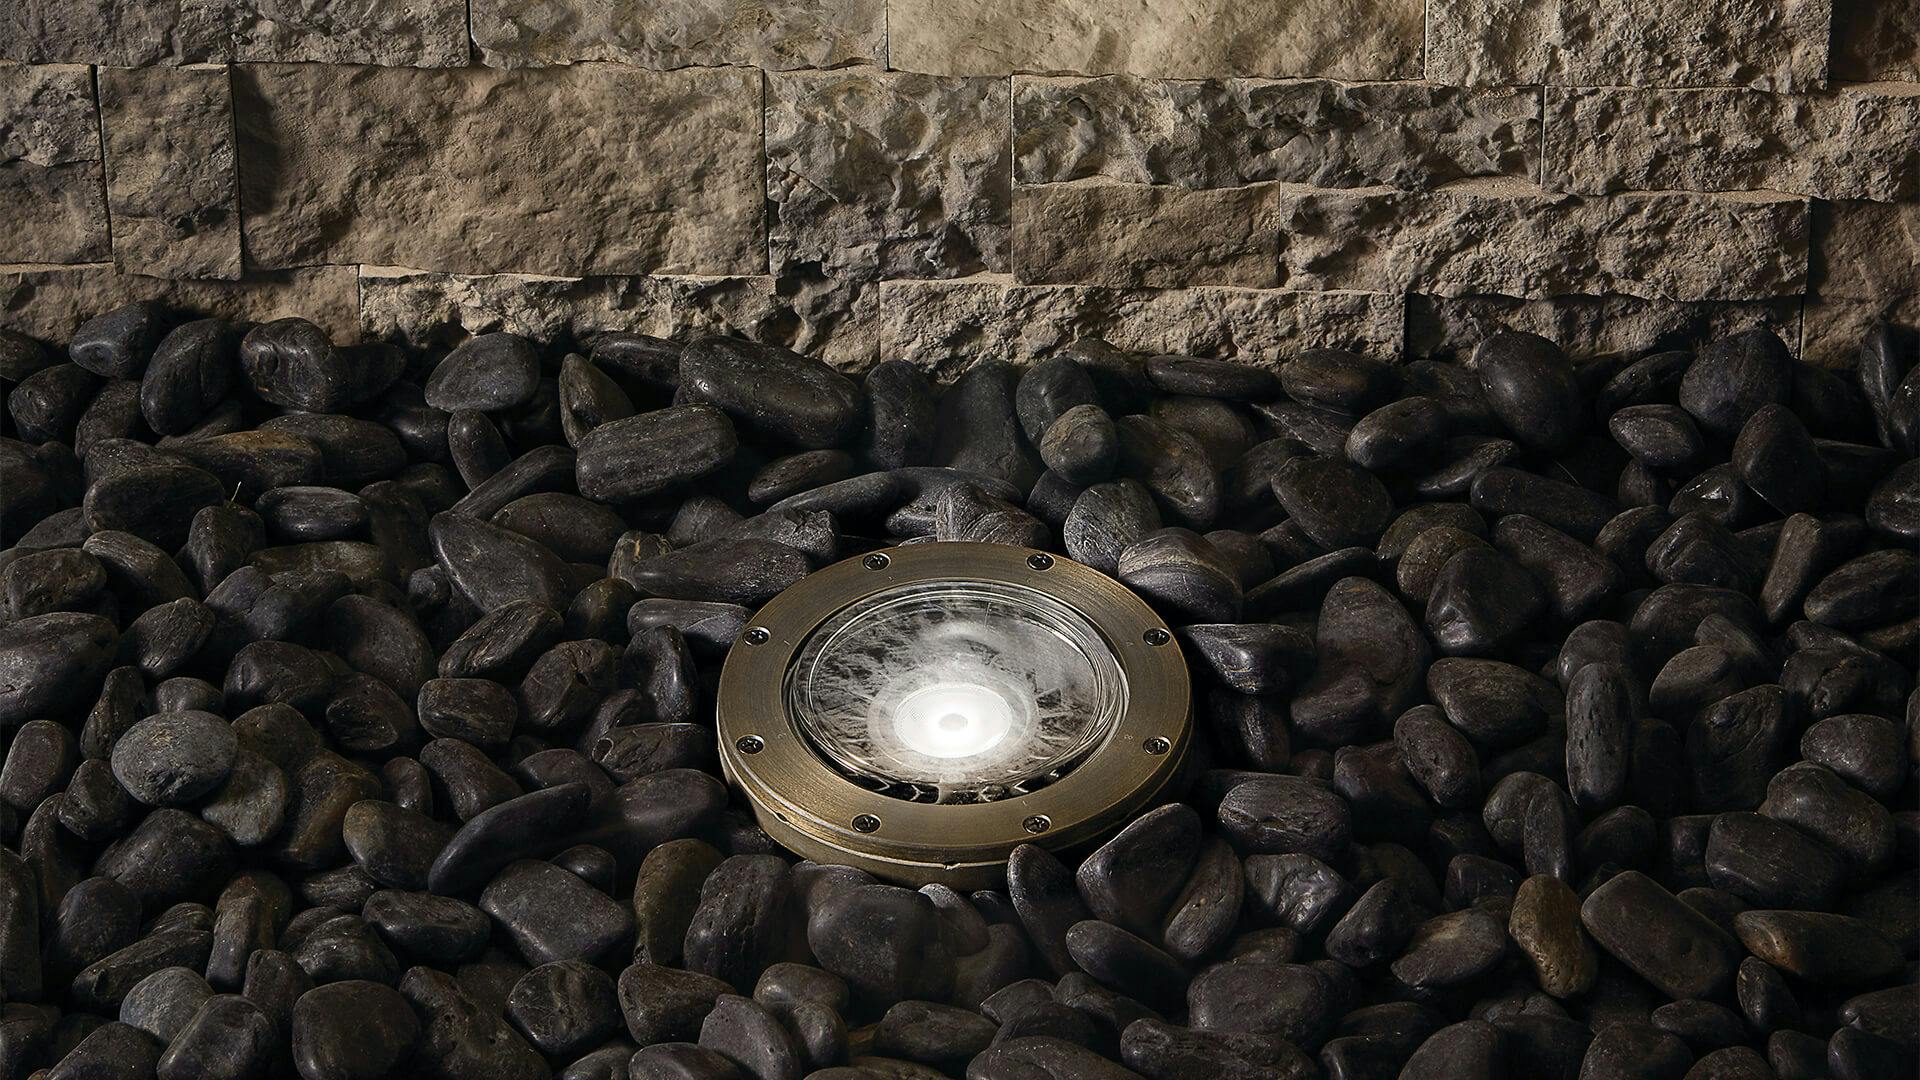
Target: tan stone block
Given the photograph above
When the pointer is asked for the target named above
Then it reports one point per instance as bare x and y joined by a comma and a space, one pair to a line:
1876, 39
399, 33
46, 114
1176, 39
50, 302
887, 174
424, 308
1865, 267
171, 189
595, 168
1853, 142
1140, 235
1514, 240
1835, 328
1222, 133
946, 326
1448, 327
681, 33
1774, 45
116, 33
1866, 251
139, 33
50, 188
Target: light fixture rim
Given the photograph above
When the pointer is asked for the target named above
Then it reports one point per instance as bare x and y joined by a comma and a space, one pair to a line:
809, 806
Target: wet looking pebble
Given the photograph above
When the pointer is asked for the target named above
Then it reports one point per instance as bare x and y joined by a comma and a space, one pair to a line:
1556, 712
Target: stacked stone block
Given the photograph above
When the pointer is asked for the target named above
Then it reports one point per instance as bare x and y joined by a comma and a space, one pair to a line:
945, 180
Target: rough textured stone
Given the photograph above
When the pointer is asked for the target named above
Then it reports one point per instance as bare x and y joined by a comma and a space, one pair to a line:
50, 301
1867, 252
1346, 39
1147, 235
1855, 142
944, 327
115, 33
50, 187
683, 33
137, 33
429, 308
1776, 46
422, 33
1450, 326
612, 169
1875, 40
424, 307
1225, 132
1865, 267
171, 186
1508, 237
887, 174
1833, 329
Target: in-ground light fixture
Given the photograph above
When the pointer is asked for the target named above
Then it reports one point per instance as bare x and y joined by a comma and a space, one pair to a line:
919, 712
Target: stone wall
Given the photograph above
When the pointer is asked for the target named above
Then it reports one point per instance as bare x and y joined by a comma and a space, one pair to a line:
943, 180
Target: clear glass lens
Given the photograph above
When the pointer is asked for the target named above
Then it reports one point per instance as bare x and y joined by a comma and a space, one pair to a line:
955, 691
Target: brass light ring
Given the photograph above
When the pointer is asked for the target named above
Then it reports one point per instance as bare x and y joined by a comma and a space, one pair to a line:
809, 807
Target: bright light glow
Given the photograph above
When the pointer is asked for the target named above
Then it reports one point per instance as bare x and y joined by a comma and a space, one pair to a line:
955, 691
952, 720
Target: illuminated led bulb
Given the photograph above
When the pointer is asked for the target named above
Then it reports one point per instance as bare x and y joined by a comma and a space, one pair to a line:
955, 691
953, 721
920, 712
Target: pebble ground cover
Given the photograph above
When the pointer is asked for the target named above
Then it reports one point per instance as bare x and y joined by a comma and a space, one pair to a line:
1556, 712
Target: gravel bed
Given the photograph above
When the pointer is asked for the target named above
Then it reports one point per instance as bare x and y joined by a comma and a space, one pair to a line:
1556, 716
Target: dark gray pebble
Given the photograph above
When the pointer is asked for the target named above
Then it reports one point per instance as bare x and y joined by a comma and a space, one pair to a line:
772, 392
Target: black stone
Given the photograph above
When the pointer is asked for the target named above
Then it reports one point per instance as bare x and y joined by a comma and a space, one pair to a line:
649, 453
910, 961
772, 392
1645, 927
1734, 377
1529, 384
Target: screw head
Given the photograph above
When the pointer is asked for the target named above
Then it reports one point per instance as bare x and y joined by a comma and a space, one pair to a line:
1156, 745
758, 636
866, 823
876, 561
1037, 824
1157, 636
750, 744
1040, 560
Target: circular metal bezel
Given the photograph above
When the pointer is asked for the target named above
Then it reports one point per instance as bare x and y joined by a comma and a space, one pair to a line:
807, 805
